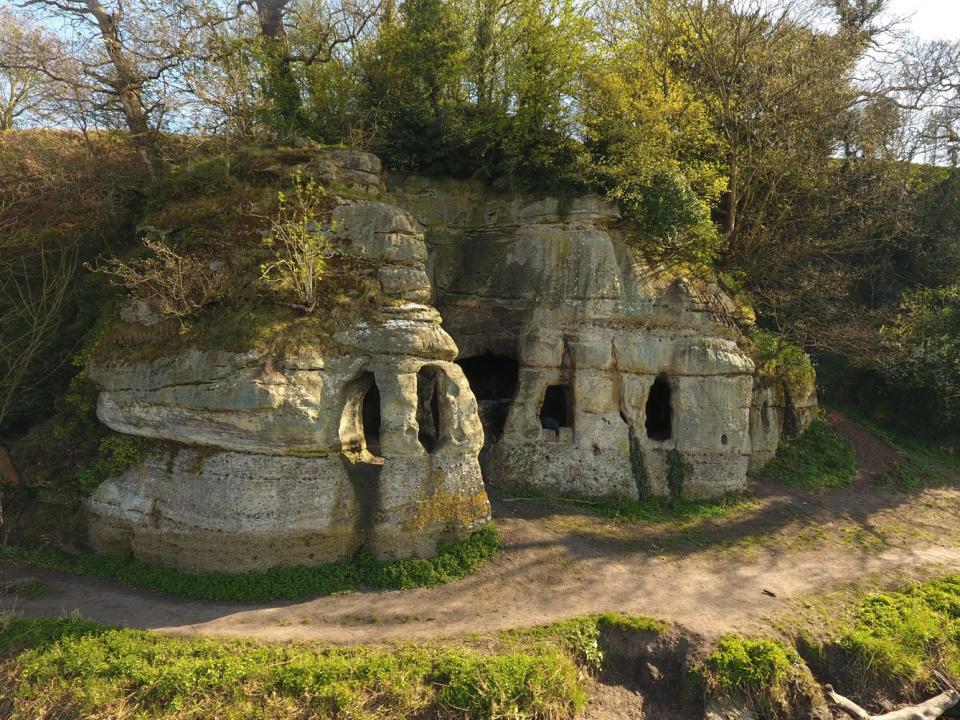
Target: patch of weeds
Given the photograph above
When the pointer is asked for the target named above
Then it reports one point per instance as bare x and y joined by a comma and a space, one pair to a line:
902, 476
665, 510
777, 359
926, 463
580, 636
202, 176
115, 453
633, 623
900, 638
820, 457
453, 561
771, 678
31, 590
509, 685
96, 668
71, 453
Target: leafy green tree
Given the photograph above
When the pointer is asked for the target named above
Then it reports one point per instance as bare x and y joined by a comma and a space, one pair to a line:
924, 376
780, 89
485, 88
549, 43
412, 83
648, 135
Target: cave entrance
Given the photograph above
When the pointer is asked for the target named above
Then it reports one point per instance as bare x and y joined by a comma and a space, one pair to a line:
493, 379
360, 420
428, 407
556, 411
370, 418
659, 411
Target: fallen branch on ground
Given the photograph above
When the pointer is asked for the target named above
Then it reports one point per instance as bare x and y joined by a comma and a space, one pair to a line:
929, 710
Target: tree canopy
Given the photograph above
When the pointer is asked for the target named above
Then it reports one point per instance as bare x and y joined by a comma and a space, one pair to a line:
798, 149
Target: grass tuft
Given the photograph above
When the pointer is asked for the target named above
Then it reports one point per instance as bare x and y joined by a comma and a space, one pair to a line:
655, 510
580, 636
30, 590
900, 638
454, 561
763, 673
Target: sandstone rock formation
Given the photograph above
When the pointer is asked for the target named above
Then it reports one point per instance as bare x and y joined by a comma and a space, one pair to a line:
579, 370
625, 379
373, 443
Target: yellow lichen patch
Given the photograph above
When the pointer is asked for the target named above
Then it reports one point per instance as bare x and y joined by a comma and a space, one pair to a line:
444, 507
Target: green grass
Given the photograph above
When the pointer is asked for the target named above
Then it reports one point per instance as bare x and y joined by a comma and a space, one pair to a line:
580, 636
31, 590
655, 510
876, 645
820, 457
454, 561
900, 638
74, 668
759, 671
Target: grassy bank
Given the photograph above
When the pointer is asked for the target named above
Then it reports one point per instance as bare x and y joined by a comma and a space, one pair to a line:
877, 648
820, 457
71, 668
454, 561
881, 647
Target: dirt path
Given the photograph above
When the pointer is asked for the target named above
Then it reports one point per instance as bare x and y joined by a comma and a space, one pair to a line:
560, 562
874, 457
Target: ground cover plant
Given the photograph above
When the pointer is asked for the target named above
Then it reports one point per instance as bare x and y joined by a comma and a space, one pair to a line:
902, 638
820, 457
763, 673
886, 646
454, 561
880, 645
924, 462
579, 636
74, 668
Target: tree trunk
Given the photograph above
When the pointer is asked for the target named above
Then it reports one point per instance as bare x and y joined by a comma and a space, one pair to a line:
128, 86
280, 85
486, 27
733, 197
6, 118
929, 710
270, 15
9, 476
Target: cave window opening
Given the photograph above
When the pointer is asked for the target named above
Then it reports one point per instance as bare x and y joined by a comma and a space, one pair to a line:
556, 411
659, 411
493, 380
428, 408
370, 418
